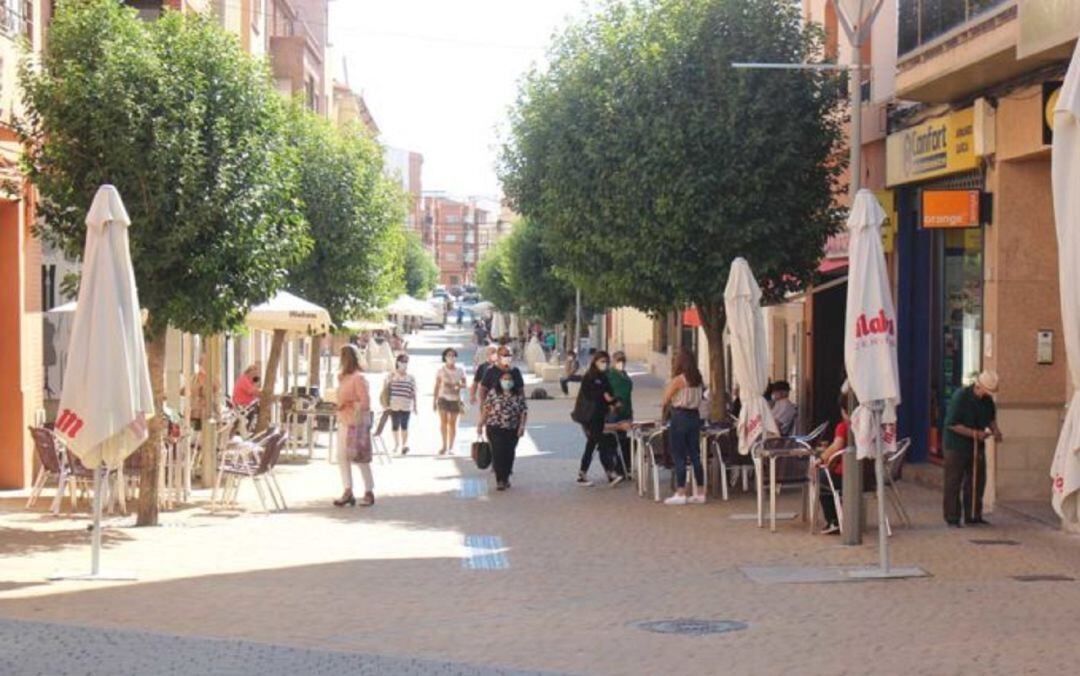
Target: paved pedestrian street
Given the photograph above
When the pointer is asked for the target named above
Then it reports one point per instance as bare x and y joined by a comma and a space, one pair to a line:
446, 576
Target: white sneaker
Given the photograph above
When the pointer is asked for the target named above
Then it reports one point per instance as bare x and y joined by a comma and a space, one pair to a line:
676, 500
696, 500
583, 481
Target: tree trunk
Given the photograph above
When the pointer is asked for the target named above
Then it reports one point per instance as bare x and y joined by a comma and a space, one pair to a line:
314, 369
148, 474
713, 321
270, 380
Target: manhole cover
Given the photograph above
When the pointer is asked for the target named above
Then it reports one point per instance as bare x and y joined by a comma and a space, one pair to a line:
691, 627
1043, 578
1007, 543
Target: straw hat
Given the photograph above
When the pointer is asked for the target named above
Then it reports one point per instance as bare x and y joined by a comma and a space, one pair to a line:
988, 380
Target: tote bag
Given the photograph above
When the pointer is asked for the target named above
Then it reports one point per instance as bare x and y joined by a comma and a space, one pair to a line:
358, 441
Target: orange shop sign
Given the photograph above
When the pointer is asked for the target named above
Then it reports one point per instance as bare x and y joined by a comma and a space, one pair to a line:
951, 209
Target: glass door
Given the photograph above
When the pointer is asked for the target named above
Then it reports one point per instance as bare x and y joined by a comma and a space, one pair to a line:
958, 317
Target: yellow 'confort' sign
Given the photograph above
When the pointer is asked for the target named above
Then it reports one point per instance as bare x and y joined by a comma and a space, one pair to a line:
945, 145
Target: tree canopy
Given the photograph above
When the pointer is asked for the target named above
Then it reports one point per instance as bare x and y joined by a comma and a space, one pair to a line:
533, 280
493, 277
192, 132
421, 272
652, 163
355, 214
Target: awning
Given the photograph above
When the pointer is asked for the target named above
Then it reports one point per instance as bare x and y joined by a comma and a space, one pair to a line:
832, 265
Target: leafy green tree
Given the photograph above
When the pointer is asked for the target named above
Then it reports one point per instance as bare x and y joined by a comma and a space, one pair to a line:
191, 131
492, 277
355, 215
533, 279
421, 272
653, 163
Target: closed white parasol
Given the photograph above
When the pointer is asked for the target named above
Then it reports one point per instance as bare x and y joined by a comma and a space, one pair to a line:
1065, 470
742, 302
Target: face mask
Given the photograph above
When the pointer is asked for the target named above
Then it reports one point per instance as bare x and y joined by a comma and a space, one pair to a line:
507, 385
602, 365
401, 366
505, 361
450, 359
620, 366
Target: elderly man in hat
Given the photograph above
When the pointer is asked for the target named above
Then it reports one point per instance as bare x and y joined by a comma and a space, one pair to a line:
971, 418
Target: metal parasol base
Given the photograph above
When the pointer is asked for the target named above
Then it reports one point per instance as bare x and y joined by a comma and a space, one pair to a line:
886, 573
96, 574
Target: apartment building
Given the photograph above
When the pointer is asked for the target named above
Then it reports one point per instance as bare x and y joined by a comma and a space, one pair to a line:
453, 227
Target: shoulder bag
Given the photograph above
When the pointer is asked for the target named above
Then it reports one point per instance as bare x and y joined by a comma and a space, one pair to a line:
358, 439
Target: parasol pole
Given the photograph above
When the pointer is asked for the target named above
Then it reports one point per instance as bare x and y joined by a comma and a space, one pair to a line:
879, 470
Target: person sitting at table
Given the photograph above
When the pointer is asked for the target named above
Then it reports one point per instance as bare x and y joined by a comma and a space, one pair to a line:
784, 412
834, 467
246, 392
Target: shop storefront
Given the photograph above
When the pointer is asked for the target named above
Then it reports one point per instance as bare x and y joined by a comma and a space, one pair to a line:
941, 209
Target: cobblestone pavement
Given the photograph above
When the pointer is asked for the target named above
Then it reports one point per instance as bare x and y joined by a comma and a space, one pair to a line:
445, 576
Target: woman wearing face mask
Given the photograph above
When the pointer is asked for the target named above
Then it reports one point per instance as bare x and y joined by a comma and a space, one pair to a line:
449, 382
401, 387
352, 396
596, 388
623, 414
502, 419
503, 364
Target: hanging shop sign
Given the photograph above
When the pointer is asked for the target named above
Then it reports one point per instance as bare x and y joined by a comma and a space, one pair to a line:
942, 146
951, 209
1051, 92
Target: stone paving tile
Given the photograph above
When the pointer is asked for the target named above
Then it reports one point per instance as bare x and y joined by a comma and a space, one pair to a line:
587, 565
45, 649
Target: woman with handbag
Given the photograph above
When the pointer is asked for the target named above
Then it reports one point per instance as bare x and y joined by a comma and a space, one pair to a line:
594, 401
353, 439
682, 398
502, 419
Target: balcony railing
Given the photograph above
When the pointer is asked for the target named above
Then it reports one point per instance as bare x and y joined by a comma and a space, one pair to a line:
922, 21
17, 18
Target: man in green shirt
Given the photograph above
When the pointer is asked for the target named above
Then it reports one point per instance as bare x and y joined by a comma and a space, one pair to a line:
970, 419
623, 387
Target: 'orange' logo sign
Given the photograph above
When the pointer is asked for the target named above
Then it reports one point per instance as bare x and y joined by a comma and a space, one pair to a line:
950, 209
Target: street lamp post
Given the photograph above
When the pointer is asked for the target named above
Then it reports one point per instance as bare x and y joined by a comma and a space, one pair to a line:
856, 17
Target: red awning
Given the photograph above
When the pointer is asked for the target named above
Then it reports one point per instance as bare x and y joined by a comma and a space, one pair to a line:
691, 318
832, 265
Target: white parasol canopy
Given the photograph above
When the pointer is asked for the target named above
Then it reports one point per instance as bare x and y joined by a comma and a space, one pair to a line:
534, 354
742, 302
482, 308
286, 312
407, 306
1065, 470
515, 326
498, 326
870, 339
107, 397
360, 325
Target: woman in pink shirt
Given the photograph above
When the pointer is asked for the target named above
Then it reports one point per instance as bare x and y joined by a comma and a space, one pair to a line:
352, 396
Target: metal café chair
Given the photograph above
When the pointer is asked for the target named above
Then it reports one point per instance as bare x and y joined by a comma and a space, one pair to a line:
789, 464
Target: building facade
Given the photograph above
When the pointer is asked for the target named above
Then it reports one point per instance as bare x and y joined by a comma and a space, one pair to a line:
21, 326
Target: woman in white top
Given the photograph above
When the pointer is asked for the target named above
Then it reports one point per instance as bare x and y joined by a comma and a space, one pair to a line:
400, 395
449, 382
683, 397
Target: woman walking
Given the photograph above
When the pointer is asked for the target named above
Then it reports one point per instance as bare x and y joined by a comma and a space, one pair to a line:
399, 393
594, 402
352, 398
502, 419
449, 382
683, 397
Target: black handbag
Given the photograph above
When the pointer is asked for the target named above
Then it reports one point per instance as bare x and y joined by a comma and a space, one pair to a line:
481, 453
584, 409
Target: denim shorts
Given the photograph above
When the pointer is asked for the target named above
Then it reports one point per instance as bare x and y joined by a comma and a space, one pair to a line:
399, 420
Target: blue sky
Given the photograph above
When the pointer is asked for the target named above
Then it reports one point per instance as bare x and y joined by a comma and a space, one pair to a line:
438, 75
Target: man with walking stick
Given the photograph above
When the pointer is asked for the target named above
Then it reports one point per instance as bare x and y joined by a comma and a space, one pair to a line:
970, 420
